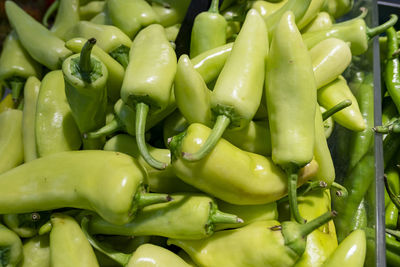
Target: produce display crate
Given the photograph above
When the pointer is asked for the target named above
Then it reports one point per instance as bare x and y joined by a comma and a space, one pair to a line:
370, 58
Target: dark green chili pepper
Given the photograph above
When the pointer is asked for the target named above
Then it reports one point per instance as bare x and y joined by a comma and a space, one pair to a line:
392, 68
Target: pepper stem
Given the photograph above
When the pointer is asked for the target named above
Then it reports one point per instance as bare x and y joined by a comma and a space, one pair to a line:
219, 128
107, 129
341, 191
395, 199
219, 217
121, 54
16, 88
142, 110
292, 194
85, 62
341, 105
308, 228
146, 199
214, 6
49, 12
382, 28
304, 189
119, 257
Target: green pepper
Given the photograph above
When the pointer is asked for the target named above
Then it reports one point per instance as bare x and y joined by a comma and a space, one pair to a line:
79, 179
266, 9
320, 22
109, 38
392, 68
330, 58
131, 15
172, 32
170, 12
350, 252
50, 12
291, 109
85, 87
31, 93
115, 71
36, 252
159, 180
16, 65
238, 90
221, 173
335, 92
148, 81
389, 110
38, 41
10, 247
264, 243
55, 128
67, 17
11, 147
360, 220
312, 11
91, 9
68, 244
26, 224
338, 8
187, 217
102, 18
353, 31
208, 31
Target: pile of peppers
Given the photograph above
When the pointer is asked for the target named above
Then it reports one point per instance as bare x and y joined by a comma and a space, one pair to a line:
252, 147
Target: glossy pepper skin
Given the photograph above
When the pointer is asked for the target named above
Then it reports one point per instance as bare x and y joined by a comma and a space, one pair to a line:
170, 12
11, 146
291, 109
266, 8
320, 22
68, 243
155, 256
148, 80
160, 181
115, 70
264, 243
391, 210
221, 172
392, 68
80, 179
187, 217
85, 88
350, 252
55, 128
16, 65
238, 90
338, 8
10, 247
312, 11
36, 252
40, 43
67, 17
91, 9
31, 93
353, 31
131, 15
208, 31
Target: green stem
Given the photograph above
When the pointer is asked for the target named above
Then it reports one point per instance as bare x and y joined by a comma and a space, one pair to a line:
219, 128
396, 53
16, 88
222, 217
214, 6
342, 105
292, 194
304, 189
146, 199
121, 54
142, 110
395, 199
119, 257
49, 12
107, 129
395, 233
85, 62
309, 227
341, 191
382, 28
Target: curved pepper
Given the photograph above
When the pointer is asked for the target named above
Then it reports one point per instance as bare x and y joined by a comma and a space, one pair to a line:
115, 71
350, 252
291, 109
160, 181
392, 68
79, 179
222, 172
91, 9
11, 147
148, 80
55, 128
109, 38
186, 217
265, 243
266, 8
36, 252
329, 58
238, 90
131, 15
40, 43
31, 93
312, 11
10, 247
85, 87
338, 8
353, 31
335, 92
16, 65
67, 17
170, 12
68, 244
320, 22
208, 31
